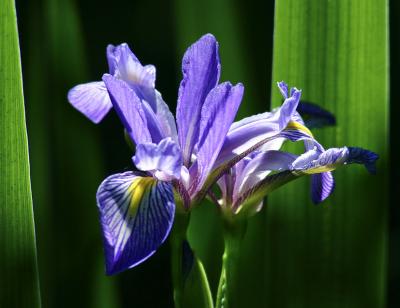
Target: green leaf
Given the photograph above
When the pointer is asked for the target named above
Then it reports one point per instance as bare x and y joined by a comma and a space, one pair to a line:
19, 285
190, 283
197, 290
333, 255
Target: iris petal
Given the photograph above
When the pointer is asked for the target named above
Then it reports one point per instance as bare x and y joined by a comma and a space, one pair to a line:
362, 156
201, 70
91, 99
129, 108
218, 112
125, 65
136, 215
164, 159
250, 131
322, 185
315, 116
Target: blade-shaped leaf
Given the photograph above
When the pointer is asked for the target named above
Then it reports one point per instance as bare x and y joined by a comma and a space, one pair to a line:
333, 255
19, 285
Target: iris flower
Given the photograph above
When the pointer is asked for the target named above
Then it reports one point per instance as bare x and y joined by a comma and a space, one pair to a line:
247, 183
177, 164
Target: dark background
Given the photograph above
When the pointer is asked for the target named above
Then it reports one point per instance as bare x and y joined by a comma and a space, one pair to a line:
62, 44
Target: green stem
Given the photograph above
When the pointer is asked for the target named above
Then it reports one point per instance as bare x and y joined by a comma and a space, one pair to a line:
233, 235
177, 238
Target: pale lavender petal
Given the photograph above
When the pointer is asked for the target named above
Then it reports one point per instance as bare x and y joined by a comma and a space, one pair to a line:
165, 118
283, 88
129, 109
313, 161
136, 215
251, 131
259, 167
332, 158
131, 71
201, 70
218, 112
114, 56
91, 99
164, 160
125, 65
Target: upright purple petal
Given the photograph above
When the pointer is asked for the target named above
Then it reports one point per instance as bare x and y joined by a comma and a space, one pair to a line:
129, 109
129, 69
283, 88
136, 215
164, 160
201, 70
91, 99
114, 56
218, 112
125, 65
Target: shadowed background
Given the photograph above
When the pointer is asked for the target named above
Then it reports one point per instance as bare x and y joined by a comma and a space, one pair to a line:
62, 44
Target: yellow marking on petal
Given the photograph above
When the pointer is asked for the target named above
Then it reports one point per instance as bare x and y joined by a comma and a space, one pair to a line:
137, 189
319, 169
297, 126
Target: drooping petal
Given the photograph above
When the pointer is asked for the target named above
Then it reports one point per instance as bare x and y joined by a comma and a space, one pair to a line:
136, 215
129, 108
218, 112
201, 70
363, 156
315, 116
333, 158
91, 99
251, 131
313, 161
322, 185
163, 159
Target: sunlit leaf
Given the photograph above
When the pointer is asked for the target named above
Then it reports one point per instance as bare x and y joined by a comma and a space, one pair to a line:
19, 285
333, 255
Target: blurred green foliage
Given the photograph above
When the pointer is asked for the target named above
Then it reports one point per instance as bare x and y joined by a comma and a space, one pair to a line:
295, 255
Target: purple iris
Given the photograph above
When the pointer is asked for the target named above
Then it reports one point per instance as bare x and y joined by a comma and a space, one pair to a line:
178, 161
246, 184
137, 208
